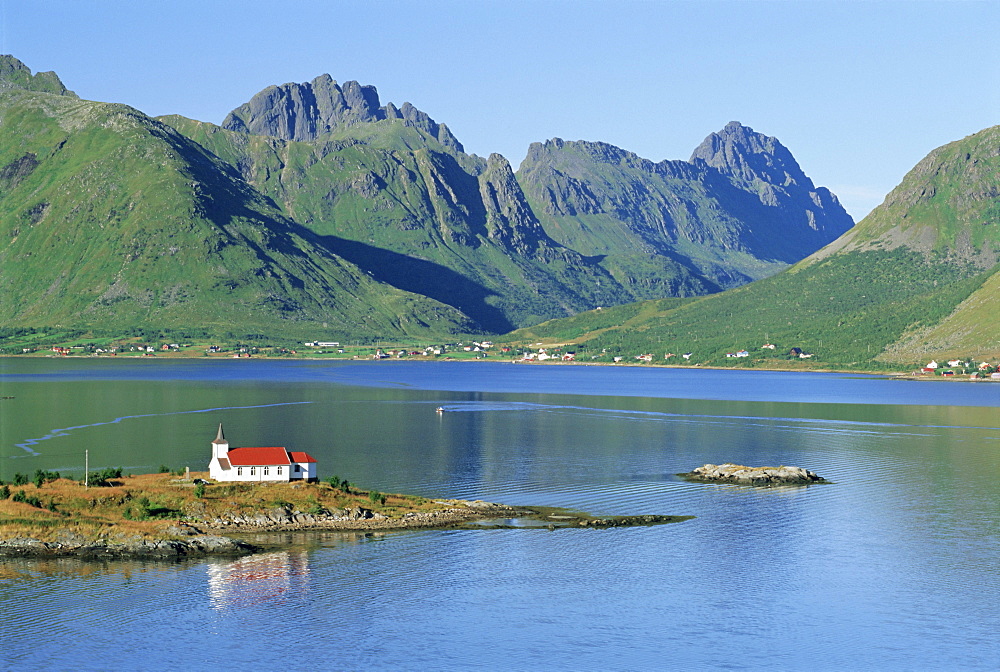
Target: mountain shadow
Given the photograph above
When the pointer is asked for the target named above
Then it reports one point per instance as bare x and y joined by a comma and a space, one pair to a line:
422, 277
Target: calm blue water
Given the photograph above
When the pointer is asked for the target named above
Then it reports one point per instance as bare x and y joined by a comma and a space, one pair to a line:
894, 566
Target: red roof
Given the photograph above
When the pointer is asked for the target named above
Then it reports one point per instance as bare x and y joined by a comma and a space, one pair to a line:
298, 456
252, 457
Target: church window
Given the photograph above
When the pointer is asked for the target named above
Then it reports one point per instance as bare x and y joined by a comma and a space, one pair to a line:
239, 471
267, 470
253, 471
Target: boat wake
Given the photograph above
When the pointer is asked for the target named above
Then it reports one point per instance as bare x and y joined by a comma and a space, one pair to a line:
64, 431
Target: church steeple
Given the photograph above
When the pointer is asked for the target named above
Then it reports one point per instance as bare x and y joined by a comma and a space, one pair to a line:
220, 447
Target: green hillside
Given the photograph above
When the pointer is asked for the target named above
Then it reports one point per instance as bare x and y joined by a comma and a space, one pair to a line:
420, 216
948, 203
393, 191
883, 294
741, 209
111, 220
317, 212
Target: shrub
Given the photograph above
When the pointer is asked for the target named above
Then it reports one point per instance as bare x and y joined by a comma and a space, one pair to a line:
376, 497
199, 490
4, 492
334, 482
41, 476
18, 496
164, 469
20, 479
102, 477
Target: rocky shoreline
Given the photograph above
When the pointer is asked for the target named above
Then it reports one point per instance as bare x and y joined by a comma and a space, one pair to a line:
761, 476
358, 518
136, 547
200, 538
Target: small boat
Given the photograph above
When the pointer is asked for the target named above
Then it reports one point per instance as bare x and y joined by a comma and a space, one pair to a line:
440, 409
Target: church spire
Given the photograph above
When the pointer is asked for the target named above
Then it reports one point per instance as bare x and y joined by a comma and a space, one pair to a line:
220, 447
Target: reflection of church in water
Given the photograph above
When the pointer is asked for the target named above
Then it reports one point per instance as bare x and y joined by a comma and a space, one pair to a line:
257, 579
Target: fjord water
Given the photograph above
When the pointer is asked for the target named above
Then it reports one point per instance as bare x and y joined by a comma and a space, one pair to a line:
895, 565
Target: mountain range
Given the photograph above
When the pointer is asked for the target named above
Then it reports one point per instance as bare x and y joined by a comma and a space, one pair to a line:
916, 279
316, 210
316, 204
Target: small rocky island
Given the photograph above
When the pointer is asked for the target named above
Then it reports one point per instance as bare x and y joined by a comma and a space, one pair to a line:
742, 475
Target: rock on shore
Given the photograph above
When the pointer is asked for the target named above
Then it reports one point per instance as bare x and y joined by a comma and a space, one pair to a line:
128, 548
736, 473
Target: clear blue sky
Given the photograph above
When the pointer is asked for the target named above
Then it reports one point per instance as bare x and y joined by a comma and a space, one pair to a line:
858, 91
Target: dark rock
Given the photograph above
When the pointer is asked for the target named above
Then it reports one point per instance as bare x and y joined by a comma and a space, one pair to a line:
22, 546
280, 514
220, 545
360, 513
308, 110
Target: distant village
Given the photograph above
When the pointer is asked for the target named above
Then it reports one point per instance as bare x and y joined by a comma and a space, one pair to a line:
957, 367
476, 349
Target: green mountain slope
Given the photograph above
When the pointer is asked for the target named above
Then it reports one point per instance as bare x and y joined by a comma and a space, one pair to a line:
739, 210
111, 220
388, 194
393, 191
917, 278
949, 204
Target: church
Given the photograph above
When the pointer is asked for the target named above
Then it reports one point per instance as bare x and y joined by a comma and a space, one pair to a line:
259, 464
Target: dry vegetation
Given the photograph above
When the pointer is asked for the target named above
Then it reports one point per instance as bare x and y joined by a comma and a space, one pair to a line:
146, 505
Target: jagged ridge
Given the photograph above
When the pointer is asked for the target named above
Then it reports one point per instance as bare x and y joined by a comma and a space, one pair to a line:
740, 210
916, 278
308, 110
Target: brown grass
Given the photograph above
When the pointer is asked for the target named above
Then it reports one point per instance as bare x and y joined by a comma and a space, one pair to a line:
111, 512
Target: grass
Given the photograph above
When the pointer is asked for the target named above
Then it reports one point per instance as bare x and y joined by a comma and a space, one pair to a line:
115, 221
145, 505
847, 310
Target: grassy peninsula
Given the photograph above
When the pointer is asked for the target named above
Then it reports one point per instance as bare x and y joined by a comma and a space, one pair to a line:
167, 515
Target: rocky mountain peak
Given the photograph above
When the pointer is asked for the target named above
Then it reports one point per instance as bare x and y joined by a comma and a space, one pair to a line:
739, 152
308, 110
16, 75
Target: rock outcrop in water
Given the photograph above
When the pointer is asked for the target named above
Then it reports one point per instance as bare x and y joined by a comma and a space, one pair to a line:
135, 547
736, 473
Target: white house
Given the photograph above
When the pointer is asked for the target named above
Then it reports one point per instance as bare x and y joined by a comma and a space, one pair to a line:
259, 464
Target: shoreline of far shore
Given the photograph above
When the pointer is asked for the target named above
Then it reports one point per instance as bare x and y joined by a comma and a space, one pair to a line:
499, 360
894, 375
